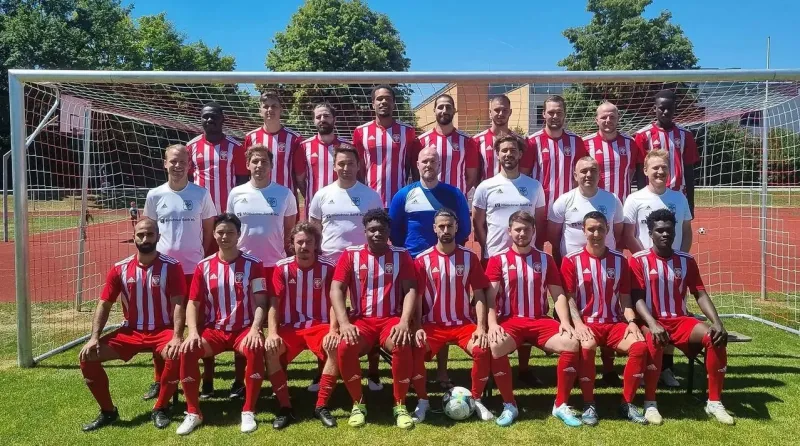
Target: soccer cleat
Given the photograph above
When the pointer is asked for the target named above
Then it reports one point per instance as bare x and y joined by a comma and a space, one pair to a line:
482, 412
611, 379
324, 415
160, 418
651, 413
285, 417
314, 386
237, 391
509, 414
529, 379
717, 410
207, 390
589, 415
103, 419
668, 379
190, 422
374, 383
564, 413
358, 416
423, 406
248, 422
152, 392
631, 413
402, 418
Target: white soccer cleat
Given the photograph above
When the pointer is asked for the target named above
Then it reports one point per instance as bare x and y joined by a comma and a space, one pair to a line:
717, 410
423, 406
248, 422
190, 422
668, 378
651, 413
483, 413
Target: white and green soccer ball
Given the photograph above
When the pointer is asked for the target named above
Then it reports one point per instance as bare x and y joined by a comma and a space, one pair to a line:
458, 403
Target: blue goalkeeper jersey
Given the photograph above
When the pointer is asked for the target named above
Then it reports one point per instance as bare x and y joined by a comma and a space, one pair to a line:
412, 210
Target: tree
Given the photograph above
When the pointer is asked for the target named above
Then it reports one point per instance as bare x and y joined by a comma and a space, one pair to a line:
336, 35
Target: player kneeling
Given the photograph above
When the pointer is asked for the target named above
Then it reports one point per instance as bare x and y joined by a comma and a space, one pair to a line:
230, 285
660, 278
598, 286
520, 278
382, 283
153, 289
300, 318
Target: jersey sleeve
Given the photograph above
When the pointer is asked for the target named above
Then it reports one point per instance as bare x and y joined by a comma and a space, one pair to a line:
240, 161
695, 281
480, 199
464, 220
344, 268
258, 284
207, 210
580, 150
278, 286
557, 212
690, 155
299, 164
422, 275
407, 267
291, 206
149, 210
618, 213
629, 211
472, 156
112, 287
540, 198
176, 281
197, 289
641, 146
553, 277
477, 277
568, 274
494, 269
315, 208
635, 154
624, 279
357, 143
529, 158
636, 274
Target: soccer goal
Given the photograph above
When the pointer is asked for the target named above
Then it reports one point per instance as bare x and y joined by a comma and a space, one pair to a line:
92, 142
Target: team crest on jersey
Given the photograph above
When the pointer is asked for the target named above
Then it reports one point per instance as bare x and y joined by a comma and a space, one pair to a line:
678, 273
155, 281
677, 143
188, 205
537, 267
396, 138
567, 151
603, 210
356, 201
623, 151
459, 270
281, 147
523, 190
223, 155
389, 268
239, 277
671, 207
272, 201
317, 284
456, 147
611, 273
656, 144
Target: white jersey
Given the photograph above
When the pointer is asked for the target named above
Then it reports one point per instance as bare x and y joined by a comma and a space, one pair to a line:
341, 211
569, 210
180, 216
641, 203
501, 197
262, 212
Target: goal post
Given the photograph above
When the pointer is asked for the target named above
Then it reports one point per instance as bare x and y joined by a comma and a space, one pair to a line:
93, 141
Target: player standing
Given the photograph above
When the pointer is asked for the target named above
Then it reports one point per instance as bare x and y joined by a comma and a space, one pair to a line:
661, 276
499, 114
230, 286
318, 150
458, 152
133, 211
153, 289
597, 282
616, 153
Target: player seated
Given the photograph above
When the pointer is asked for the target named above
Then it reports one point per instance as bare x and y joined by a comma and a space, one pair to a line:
521, 276
446, 274
660, 278
153, 289
300, 318
229, 289
382, 282
598, 286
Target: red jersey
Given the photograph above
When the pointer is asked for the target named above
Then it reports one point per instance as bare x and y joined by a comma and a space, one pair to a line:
386, 151
680, 145
553, 161
617, 159
226, 290
457, 153
304, 294
215, 167
445, 281
146, 290
375, 283
665, 281
485, 142
596, 283
523, 282
287, 158
319, 161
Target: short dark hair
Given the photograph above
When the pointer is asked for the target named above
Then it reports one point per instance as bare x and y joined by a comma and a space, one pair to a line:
500, 97
327, 105
270, 94
521, 145
445, 212
557, 99
664, 215
216, 106
444, 95
595, 215
666, 94
307, 228
383, 87
522, 217
378, 214
345, 148
228, 217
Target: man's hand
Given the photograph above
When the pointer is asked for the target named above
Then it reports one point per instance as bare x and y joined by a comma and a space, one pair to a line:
479, 338
192, 342
718, 334
273, 343
173, 348
400, 335
496, 334
633, 330
90, 351
253, 340
584, 333
566, 329
422, 338
349, 333
660, 336
330, 343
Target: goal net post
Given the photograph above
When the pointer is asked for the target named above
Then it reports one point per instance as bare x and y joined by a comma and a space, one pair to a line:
92, 141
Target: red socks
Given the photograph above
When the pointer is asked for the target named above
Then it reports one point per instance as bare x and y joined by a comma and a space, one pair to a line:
190, 380
652, 372
634, 370
255, 376
96, 379
169, 382
326, 385
418, 372
716, 366
481, 364
350, 369
587, 372
566, 372
501, 371
158, 367
281, 388
524, 355
401, 372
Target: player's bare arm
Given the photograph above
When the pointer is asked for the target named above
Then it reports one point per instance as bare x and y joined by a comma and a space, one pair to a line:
618, 228
629, 313
479, 227
554, 233
419, 336
288, 223
173, 349
472, 175
400, 334
686, 242
208, 233
495, 331
348, 331
479, 337
193, 340
331, 340
254, 339
273, 341
92, 348
719, 336
562, 310
583, 332
660, 336
629, 238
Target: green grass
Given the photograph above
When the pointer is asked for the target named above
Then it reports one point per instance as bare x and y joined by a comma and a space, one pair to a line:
39, 225
47, 404
746, 197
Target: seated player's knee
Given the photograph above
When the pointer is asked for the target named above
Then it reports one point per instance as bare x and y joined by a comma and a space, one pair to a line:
590, 344
570, 344
479, 352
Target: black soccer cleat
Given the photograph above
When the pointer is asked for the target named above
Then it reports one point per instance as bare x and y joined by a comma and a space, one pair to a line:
207, 390
285, 417
102, 420
160, 418
611, 379
324, 415
152, 392
237, 391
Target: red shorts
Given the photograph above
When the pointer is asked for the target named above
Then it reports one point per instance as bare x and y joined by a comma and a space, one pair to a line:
608, 334
679, 330
375, 330
440, 335
127, 342
535, 331
222, 341
297, 340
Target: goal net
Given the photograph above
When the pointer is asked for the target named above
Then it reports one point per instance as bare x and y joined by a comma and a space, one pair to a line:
98, 147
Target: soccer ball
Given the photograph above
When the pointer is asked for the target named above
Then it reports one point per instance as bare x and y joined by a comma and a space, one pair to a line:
458, 403
701, 231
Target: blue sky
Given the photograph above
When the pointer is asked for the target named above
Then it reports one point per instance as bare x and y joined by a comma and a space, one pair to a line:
447, 35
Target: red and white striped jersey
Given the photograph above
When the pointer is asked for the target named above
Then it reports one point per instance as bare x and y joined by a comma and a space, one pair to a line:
215, 166
665, 281
596, 283
375, 282
523, 282
485, 142
304, 294
457, 153
554, 161
146, 290
287, 158
319, 158
678, 142
445, 281
227, 290
617, 160
386, 151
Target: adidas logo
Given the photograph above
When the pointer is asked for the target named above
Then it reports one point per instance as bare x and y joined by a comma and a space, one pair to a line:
405, 381
569, 370
435, 269
651, 367
485, 378
88, 381
545, 150
416, 377
292, 281
280, 388
331, 202
500, 374
174, 382
213, 276
354, 378
587, 271
314, 155
164, 206
512, 267
363, 267
256, 376
584, 379
188, 379
371, 138
638, 375
131, 280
